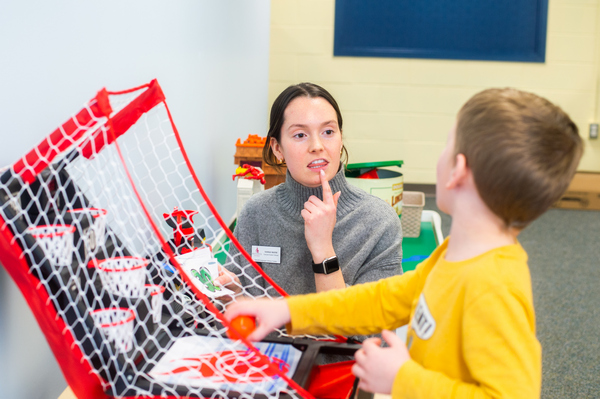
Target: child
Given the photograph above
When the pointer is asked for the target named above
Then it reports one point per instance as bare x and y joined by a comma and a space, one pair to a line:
469, 305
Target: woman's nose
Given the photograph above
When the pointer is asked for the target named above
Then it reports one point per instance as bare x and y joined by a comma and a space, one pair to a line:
316, 144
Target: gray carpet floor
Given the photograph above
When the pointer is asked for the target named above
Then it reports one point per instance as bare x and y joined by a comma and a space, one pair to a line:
564, 259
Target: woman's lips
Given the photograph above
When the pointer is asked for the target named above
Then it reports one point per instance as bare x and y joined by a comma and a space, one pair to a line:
317, 164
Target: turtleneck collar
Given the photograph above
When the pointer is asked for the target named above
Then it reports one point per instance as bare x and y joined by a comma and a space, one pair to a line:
292, 195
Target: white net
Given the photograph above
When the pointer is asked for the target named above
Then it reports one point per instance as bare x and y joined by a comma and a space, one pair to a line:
121, 240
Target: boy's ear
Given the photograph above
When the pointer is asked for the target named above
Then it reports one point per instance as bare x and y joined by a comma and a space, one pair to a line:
460, 172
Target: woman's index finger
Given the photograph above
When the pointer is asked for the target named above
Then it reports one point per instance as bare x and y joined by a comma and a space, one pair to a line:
327, 195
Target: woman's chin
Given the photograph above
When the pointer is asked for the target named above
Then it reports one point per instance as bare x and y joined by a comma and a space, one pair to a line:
312, 181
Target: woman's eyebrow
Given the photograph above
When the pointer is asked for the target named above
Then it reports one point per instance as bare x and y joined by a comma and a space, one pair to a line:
303, 126
297, 125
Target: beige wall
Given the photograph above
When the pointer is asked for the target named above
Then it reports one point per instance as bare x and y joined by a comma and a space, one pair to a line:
402, 108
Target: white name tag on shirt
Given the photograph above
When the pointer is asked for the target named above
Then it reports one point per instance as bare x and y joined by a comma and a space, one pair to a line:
266, 254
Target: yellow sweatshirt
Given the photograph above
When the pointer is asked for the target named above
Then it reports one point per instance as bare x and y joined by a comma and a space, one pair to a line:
471, 331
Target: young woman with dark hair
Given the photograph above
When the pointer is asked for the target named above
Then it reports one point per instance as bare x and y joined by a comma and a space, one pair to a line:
321, 232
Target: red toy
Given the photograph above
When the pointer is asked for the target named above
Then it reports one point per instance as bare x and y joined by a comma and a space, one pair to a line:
182, 224
250, 172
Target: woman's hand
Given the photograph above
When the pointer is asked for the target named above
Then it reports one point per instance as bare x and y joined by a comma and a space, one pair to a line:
228, 280
269, 314
319, 221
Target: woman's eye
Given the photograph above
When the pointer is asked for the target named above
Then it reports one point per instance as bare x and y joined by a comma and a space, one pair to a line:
329, 132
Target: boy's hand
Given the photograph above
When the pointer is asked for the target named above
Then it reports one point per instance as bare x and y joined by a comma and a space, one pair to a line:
269, 314
376, 366
319, 221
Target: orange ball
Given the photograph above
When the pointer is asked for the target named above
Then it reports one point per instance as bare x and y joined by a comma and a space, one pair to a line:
244, 325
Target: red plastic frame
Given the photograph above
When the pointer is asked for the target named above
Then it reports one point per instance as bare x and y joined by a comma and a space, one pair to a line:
79, 374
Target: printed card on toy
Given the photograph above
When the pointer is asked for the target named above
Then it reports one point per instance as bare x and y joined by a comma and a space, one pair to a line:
203, 269
210, 362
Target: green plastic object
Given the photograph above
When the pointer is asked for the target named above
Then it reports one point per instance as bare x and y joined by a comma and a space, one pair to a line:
416, 249
366, 165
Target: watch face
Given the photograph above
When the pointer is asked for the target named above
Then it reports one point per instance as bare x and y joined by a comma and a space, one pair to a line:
331, 265
328, 266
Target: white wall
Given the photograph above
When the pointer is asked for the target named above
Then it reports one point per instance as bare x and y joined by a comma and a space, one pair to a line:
402, 108
211, 59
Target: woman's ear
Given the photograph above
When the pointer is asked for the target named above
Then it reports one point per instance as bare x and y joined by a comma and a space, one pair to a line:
460, 172
276, 148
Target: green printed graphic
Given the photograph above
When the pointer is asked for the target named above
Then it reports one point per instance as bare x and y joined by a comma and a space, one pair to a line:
206, 279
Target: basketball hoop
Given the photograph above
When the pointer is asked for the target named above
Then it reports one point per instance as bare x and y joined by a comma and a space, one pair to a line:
123, 276
156, 294
117, 325
93, 236
56, 241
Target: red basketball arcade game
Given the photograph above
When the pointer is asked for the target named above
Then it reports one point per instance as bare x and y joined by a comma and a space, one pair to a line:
106, 230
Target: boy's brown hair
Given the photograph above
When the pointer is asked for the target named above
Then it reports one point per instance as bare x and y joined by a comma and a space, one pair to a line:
522, 149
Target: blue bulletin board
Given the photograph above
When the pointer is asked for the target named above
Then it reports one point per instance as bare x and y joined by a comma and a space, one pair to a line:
499, 30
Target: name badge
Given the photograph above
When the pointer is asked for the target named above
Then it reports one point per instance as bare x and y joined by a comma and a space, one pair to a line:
266, 254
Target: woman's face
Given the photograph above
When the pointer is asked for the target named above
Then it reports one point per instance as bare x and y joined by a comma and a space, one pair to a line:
310, 140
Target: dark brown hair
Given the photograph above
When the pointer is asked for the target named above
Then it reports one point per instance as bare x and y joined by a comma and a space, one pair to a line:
522, 149
282, 101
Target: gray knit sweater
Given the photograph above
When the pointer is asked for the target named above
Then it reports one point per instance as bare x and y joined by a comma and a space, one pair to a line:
367, 237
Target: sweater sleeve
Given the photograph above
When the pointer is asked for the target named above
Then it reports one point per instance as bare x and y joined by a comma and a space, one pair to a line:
500, 350
385, 260
358, 310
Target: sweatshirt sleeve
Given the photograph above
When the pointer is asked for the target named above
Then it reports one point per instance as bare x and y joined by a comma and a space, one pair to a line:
500, 350
358, 310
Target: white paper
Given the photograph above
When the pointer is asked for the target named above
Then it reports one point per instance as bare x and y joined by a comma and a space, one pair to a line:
202, 269
210, 362
202, 253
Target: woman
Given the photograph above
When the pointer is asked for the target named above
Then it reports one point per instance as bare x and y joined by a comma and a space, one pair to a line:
315, 231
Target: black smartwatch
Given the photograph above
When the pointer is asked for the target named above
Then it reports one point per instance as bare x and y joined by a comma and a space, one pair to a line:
328, 266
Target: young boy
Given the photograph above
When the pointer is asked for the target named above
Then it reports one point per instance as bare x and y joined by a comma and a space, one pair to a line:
469, 306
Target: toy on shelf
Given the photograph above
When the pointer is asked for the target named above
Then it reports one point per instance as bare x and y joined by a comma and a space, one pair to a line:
250, 172
249, 152
129, 307
251, 180
253, 140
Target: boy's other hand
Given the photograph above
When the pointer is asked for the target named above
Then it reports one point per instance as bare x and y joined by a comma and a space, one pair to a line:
319, 221
376, 367
269, 314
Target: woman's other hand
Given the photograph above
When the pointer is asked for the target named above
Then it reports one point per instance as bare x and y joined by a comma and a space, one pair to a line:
228, 280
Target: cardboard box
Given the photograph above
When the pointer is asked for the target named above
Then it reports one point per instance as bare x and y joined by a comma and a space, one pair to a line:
583, 192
